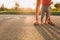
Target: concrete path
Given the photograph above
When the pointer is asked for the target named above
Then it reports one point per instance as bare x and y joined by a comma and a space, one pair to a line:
21, 27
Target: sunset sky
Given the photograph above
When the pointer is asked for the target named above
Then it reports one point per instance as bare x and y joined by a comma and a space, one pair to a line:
23, 3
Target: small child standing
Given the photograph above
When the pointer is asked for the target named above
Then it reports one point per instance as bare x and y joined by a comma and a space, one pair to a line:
46, 9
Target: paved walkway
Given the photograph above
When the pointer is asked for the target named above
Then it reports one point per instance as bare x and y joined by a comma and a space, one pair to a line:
21, 27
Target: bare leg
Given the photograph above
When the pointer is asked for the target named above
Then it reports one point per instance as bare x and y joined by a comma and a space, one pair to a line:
49, 21
37, 11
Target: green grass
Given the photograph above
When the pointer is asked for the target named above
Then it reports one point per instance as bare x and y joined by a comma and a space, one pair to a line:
55, 13
17, 12
25, 13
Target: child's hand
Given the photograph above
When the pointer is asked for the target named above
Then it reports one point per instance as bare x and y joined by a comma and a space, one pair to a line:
51, 2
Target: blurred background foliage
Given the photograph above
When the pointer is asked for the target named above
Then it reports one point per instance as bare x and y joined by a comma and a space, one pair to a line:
17, 10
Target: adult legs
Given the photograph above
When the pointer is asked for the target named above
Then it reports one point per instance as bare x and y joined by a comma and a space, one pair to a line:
37, 11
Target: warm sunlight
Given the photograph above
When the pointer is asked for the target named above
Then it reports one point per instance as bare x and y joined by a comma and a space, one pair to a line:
7, 3
22, 3
27, 3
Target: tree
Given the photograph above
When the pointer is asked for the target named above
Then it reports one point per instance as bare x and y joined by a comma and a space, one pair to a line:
57, 5
2, 7
17, 6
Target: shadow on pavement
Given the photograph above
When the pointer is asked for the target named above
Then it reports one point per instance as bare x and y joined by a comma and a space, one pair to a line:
42, 32
49, 32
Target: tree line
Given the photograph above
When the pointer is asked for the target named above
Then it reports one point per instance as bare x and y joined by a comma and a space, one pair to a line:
57, 7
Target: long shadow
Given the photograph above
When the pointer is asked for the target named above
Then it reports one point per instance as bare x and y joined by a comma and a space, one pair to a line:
54, 28
52, 31
43, 32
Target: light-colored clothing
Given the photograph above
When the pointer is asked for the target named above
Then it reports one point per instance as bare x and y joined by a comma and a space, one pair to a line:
45, 9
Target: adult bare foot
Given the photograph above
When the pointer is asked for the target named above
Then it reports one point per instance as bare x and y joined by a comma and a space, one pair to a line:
36, 23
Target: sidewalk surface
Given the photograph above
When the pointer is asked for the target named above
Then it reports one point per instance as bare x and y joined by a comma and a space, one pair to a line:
21, 27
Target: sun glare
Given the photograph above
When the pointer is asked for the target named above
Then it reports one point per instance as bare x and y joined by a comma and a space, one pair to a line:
8, 3
22, 3
27, 3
